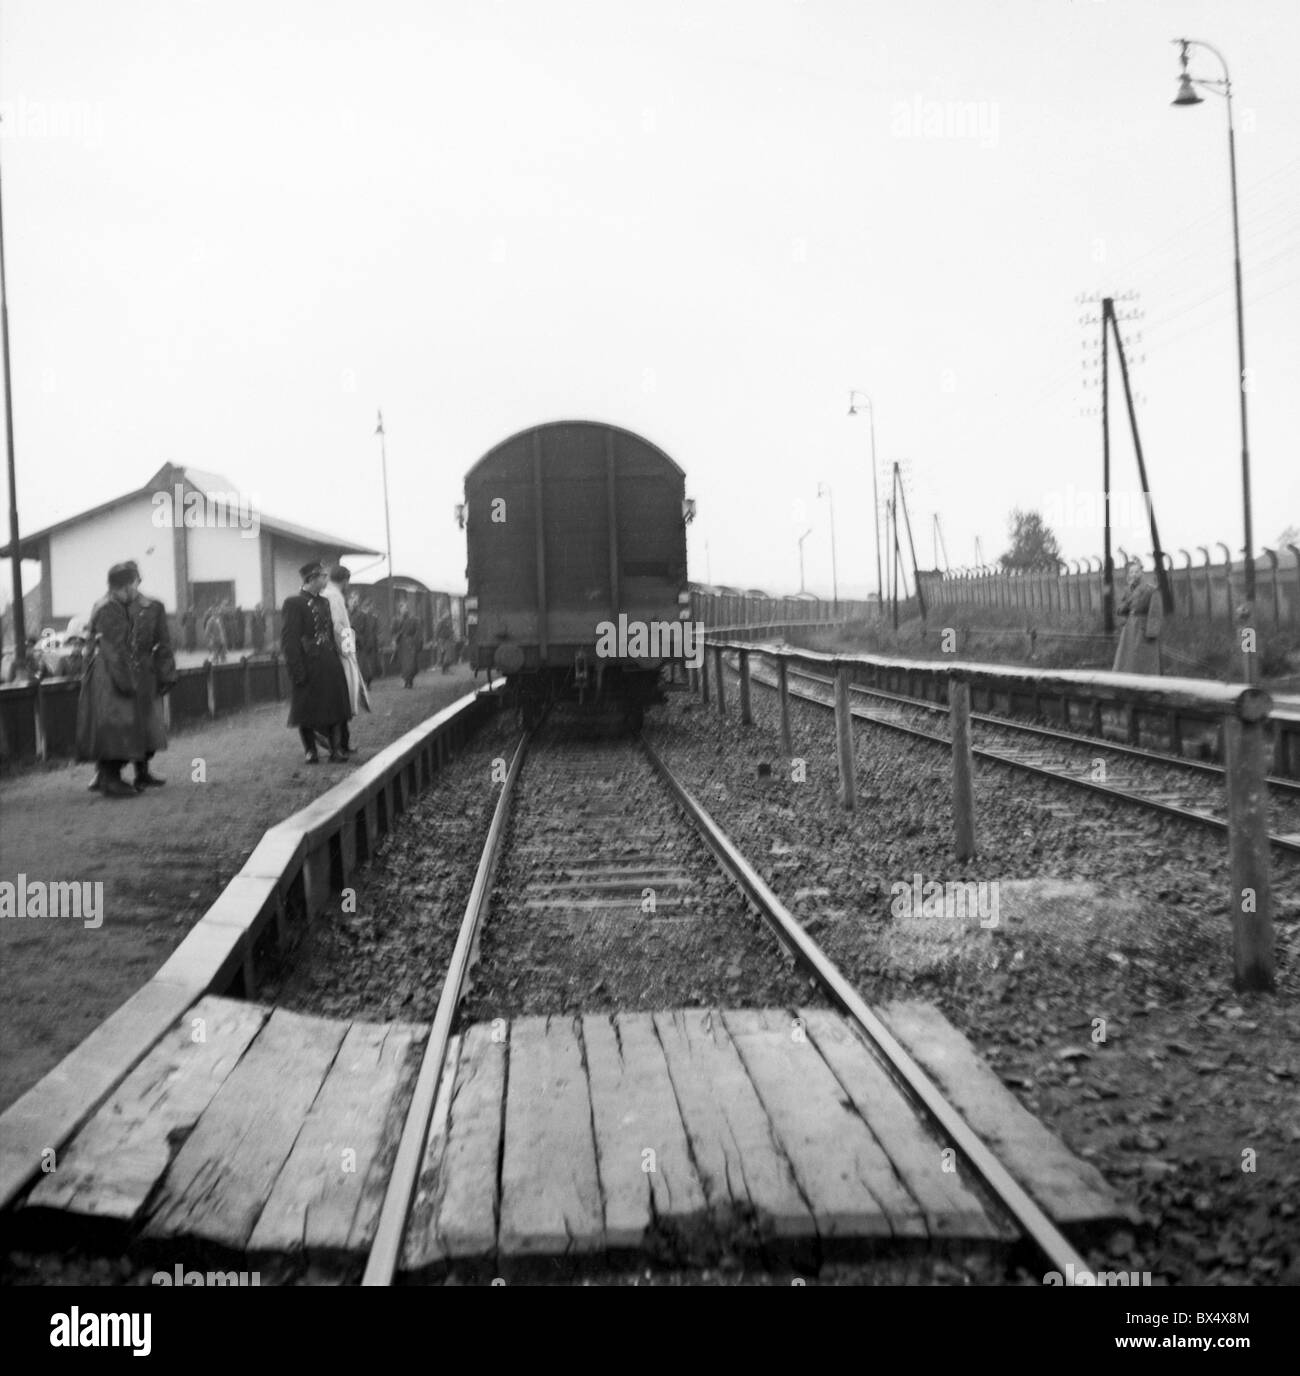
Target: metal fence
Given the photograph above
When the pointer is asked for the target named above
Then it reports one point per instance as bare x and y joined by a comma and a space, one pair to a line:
1204, 591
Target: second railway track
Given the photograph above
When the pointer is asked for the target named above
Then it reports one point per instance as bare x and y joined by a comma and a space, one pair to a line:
1190, 790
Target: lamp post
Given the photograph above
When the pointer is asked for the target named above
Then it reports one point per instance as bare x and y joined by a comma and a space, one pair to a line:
875, 494
802, 538
1187, 96
824, 490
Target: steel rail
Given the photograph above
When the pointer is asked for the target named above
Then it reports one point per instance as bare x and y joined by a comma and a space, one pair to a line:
385, 1250
1028, 1216
1220, 824
1274, 781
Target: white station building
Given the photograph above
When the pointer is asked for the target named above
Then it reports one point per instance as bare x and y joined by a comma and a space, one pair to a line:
197, 540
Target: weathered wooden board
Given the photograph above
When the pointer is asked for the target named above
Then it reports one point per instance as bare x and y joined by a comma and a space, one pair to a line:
1067, 1188
420, 1246
847, 1178
550, 1193
741, 1167
950, 1209
646, 1173
113, 1164
455, 1209
316, 1202
224, 1173
59, 1103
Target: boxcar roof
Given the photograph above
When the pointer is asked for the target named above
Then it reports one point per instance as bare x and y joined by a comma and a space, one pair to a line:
590, 424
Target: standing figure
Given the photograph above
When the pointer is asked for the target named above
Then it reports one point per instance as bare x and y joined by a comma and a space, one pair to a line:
1142, 611
445, 635
227, 613
408, 642
320, 689
365, 624
259, 629
156, 674
346, 639
118, 715
215, 631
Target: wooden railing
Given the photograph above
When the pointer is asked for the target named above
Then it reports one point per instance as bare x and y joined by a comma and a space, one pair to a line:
294, 873
1242, 711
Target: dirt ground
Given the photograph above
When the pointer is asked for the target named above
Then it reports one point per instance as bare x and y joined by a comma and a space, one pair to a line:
162, 857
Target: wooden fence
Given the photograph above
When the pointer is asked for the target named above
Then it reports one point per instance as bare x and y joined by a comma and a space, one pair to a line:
1242, 711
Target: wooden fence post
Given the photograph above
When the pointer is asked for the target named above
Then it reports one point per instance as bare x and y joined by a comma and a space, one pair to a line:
844, 738
704, 678
38, 720
718, 687
783, 689
746, 715
1248, 844
963, 792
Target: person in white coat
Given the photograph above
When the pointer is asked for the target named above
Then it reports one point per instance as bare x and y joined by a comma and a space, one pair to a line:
336, 593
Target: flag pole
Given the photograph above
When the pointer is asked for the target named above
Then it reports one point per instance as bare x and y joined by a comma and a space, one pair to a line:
388, 529
15, 546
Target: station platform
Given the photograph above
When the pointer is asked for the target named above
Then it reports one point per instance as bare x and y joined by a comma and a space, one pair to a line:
162, 858
673, 1135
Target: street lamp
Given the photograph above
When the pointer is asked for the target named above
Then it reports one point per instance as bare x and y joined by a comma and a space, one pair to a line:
1187, 96
802, 538
824, 490
875, 496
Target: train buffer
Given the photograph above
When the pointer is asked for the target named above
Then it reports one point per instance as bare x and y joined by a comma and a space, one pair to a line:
676, 1135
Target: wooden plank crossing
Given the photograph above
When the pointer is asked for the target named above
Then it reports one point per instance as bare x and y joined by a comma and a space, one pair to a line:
682, 1135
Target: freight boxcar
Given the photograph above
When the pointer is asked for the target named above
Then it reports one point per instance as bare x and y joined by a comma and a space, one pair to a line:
576, 535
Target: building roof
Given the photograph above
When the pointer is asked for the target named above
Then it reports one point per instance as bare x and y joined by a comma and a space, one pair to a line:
196, 480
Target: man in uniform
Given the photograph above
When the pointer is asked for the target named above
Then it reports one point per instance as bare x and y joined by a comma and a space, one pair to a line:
118, 715
319, 700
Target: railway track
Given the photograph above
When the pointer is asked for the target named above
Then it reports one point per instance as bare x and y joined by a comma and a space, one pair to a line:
582, 838
1190, 790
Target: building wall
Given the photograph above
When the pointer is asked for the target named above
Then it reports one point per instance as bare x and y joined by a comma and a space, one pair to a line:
218, 555
82, 554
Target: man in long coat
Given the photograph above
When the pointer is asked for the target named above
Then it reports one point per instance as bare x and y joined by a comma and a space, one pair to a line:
319, 700
409, 642
1142, 611
119, 717
366, 625
345, 638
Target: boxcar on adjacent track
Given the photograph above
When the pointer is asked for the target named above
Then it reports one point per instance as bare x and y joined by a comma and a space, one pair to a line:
574, 528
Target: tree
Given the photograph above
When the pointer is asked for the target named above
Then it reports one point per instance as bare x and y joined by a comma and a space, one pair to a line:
1033, 545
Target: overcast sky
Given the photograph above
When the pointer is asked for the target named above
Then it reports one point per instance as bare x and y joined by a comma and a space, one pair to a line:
233, 230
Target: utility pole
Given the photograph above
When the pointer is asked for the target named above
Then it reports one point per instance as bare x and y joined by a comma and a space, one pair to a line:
1107, 563
388, 529
15, 549
824, 489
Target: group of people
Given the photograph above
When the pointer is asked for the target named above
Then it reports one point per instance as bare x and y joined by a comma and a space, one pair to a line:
224, 629
330, 641
331, 646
